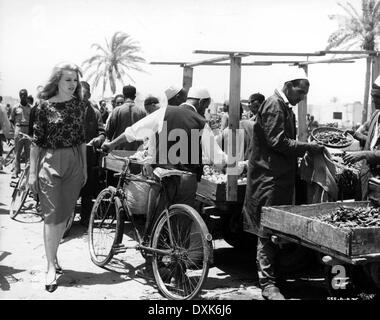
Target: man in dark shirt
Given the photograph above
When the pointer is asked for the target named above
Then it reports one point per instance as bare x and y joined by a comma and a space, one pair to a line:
254, 102
103, 110
94, 135
123, 117
20, 119
272, 171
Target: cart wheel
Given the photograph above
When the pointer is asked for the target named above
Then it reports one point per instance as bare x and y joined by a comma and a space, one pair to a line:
105, 227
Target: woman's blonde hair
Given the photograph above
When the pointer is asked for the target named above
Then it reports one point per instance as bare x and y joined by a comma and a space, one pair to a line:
51, 87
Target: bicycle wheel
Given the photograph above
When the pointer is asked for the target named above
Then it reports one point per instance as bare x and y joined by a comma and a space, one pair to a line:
20, 193
105, 227
181, 273
69, 223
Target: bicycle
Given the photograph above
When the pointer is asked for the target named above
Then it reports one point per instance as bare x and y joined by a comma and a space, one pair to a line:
177, 239
21, 189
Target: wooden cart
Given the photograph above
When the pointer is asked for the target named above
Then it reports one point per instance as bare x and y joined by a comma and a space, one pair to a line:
359, 247
213, 204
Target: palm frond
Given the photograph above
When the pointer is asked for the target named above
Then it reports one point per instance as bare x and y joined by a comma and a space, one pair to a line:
114, 61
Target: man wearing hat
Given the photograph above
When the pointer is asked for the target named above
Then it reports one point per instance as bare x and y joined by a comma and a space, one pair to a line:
124, 116
175, 95
272, 170
371, 151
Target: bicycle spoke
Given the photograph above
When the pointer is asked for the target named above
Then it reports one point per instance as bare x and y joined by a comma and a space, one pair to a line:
181, 273
105, 228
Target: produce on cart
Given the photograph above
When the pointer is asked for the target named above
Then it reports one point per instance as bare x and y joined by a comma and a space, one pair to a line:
215, 175
346, 217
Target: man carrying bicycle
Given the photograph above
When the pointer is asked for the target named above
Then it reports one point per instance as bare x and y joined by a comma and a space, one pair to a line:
183, 138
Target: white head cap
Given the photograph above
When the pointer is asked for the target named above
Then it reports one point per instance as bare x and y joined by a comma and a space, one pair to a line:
294, 73
171, 92
198, 93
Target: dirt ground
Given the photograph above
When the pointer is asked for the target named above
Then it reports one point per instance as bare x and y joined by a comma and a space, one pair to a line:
22, 267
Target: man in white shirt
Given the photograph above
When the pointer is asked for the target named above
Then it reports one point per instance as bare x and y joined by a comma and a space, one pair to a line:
182, 137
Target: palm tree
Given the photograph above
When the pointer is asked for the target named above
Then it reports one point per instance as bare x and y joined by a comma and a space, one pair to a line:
360, 31
114, 61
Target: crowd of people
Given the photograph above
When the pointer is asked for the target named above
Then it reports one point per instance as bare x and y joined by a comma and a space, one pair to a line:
65, 125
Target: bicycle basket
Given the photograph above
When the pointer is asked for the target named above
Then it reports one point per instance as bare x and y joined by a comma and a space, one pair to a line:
141, 197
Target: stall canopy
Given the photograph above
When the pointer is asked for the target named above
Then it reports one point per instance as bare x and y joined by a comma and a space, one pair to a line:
233, 59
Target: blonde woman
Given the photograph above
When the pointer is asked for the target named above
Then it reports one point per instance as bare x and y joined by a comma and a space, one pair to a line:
58, 166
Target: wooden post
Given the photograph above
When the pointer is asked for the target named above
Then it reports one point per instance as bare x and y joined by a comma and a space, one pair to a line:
233, 124
302, 112
187, 78
375, 74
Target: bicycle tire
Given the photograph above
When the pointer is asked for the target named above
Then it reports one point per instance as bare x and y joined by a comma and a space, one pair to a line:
9, 157
69, 223
20, 194
181, 273
106, 223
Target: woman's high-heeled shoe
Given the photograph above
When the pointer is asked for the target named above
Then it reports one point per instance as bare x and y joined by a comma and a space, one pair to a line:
52, 286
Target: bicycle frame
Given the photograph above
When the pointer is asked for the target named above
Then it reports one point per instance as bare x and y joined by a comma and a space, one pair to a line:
124, 177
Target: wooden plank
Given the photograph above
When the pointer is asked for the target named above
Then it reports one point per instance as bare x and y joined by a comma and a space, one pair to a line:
311, 210
187, 78
324, 250
211, 60
233, 124
307, 229
349, 52
365, 241
255, 53
302, 112
333, 60
169, 63
211, 190
217, 192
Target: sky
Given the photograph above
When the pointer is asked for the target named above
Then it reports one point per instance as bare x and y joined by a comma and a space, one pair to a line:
37, 34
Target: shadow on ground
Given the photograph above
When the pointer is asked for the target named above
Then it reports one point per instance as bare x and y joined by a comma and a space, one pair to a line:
7, 273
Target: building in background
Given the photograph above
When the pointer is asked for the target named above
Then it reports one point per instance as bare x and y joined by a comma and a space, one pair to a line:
345, 115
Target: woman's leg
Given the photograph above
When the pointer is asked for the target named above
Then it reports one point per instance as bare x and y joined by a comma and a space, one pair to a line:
52, 237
